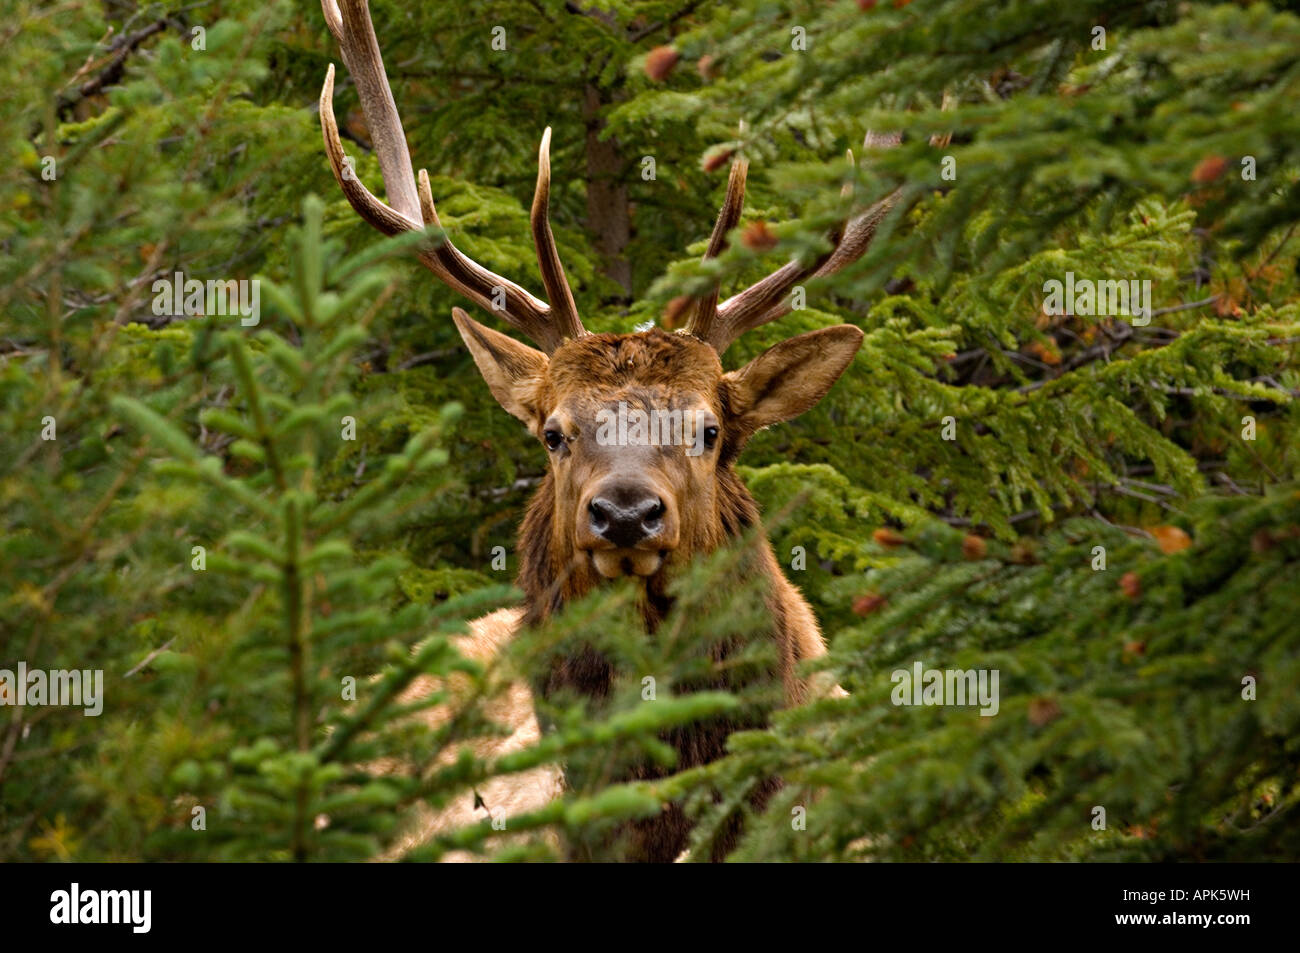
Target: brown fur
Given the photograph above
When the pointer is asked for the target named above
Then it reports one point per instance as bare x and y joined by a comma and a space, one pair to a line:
706, 503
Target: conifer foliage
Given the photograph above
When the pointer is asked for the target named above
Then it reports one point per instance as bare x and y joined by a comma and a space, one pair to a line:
264, 503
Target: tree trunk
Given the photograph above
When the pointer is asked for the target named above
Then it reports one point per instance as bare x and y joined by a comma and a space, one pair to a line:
607, 210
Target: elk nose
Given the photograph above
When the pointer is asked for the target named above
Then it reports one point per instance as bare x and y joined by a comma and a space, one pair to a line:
626, 519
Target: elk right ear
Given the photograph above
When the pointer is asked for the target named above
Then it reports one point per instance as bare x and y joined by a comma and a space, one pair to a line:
513, 371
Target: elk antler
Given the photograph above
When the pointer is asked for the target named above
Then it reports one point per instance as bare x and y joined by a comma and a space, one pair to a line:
412, 208
703, 309
765, 301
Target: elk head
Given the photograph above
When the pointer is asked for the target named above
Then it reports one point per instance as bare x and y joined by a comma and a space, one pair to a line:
619, 499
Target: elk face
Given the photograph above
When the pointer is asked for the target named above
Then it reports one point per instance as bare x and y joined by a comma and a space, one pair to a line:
632, 507
631, 425
637, 428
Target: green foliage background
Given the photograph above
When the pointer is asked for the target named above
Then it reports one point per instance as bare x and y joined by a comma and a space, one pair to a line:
330, 559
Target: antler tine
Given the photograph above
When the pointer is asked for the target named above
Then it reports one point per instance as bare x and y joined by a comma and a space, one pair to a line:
772, 302
371, 209
349, 21
767, 300
333, 19
564, 309
366, 64
703, 310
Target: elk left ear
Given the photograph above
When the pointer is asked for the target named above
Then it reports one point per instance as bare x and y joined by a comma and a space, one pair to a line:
513, 371
785, 380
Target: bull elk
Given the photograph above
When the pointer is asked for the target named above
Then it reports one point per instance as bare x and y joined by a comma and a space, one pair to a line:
608, 511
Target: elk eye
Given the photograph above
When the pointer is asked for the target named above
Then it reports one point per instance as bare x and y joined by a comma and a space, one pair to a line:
710, 436
554, 439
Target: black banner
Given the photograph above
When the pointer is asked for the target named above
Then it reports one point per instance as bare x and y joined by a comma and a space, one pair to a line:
135, 904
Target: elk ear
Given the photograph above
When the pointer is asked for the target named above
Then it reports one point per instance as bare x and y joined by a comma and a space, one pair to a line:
513, 371
785, 380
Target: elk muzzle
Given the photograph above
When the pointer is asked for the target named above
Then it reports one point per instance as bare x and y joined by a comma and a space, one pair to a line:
628, 526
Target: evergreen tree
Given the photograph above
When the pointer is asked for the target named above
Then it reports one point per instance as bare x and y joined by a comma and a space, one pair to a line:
1101, 508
